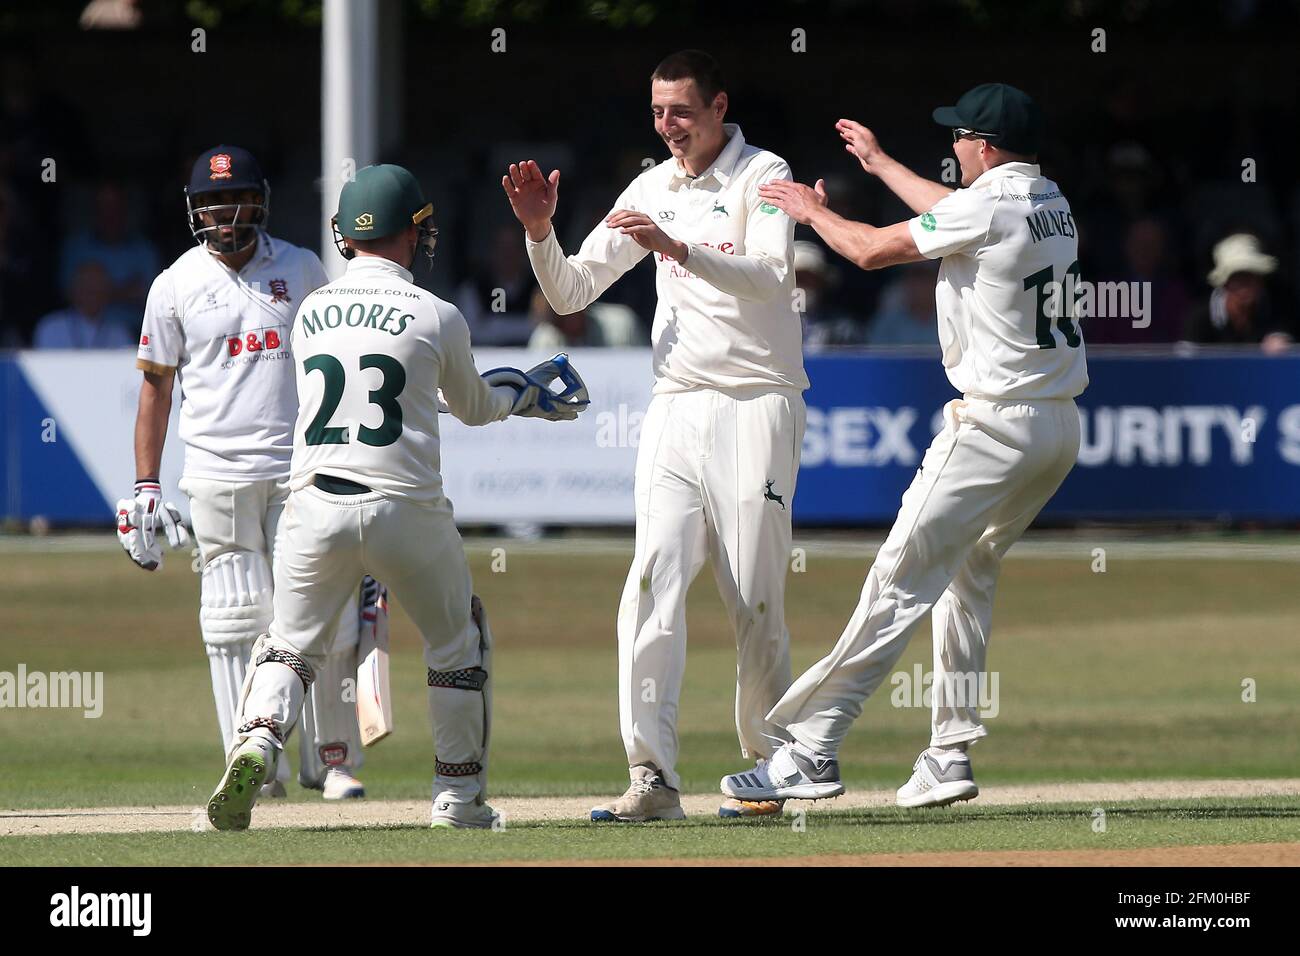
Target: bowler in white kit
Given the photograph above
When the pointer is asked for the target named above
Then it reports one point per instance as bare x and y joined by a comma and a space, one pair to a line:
217, 320
719, 447
372, 351
1011, 346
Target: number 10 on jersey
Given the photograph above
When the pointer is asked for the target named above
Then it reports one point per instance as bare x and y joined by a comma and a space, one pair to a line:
1052, 297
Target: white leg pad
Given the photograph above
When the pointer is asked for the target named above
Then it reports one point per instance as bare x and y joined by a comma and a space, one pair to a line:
273, 692
229, 666
330, 734
235, 598
460, 705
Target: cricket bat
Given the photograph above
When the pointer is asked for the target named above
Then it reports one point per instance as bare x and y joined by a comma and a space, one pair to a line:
374, 698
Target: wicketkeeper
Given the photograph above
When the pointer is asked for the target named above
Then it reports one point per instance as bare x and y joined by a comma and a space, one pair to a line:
371, 353
218, 320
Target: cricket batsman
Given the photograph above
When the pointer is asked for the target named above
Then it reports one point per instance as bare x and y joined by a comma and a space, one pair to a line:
719, 446
370, 353
218, 319
1006, 307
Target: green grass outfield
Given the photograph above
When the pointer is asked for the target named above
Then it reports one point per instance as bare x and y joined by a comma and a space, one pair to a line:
1132, 674
1128, 826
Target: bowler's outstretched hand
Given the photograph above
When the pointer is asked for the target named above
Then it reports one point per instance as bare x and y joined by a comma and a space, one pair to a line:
532, 196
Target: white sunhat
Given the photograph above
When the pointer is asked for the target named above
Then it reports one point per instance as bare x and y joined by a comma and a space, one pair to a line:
808, 256
1239, 253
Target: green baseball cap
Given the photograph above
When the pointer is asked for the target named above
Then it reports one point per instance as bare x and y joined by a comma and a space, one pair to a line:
380, 201
1007, 117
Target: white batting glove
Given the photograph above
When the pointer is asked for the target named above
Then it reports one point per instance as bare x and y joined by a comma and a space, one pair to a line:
139, 519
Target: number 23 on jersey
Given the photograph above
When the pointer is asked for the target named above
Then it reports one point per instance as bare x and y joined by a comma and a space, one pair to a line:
320, 432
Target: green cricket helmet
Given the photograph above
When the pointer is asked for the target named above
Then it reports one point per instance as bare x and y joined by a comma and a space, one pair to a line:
382, 201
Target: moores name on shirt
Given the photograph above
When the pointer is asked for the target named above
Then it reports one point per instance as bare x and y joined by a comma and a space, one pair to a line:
358, 315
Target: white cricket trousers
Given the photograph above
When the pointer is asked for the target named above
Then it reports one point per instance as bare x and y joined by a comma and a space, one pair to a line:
715, 478
236, 526
327, 542
982, 481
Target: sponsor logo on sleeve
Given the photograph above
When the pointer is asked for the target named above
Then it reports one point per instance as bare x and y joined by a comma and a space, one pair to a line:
927, 222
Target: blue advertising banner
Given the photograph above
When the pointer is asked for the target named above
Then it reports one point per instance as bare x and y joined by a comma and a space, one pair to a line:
1209, 435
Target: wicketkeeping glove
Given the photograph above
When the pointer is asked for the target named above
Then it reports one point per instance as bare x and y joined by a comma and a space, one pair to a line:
138, 521
534, 398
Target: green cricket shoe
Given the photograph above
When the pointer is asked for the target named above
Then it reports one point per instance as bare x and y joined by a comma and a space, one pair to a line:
251, 765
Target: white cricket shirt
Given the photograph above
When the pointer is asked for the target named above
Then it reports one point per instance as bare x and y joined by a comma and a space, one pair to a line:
226, 334
726, 318
370, 352
1007, 242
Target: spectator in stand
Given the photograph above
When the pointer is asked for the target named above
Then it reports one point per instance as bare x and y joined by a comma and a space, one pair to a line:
130, 260
82, 326
1240, 309
11, 334
1164, 294
814, 277
907, 315
599, 325
495, 299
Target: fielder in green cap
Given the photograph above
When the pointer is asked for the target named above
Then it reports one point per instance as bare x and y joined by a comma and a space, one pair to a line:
1012, 347
385, 203
375, 359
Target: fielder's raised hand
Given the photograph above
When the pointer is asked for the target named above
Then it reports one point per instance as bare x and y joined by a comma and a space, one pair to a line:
861, 143
532, 196
140, 517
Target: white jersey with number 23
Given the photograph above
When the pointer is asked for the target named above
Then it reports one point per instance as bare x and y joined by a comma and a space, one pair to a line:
371, 351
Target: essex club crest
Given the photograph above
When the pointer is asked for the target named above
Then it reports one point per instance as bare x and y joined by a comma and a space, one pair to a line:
280, 291
219, 166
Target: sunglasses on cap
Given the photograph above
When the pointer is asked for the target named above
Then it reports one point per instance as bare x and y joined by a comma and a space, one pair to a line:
959, 133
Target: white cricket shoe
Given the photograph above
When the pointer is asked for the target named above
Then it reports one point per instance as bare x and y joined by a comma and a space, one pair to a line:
341, 785
939, 777
733, 809
449, 813
231, 805
648, 797
793, 773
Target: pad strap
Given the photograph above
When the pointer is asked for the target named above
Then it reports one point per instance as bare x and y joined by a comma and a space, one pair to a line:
457, 769
293, 661
266, 723
465, 678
